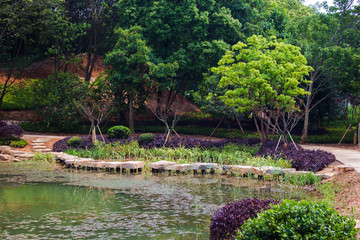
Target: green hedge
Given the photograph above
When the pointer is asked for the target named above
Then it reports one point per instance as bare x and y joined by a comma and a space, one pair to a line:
74, 141
299, 220
119, 132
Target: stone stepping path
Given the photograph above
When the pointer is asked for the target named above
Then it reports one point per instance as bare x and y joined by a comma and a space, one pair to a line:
38, 145
71, 161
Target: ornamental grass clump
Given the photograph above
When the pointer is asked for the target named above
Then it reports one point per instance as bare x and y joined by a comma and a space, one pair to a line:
299, 220
229, 219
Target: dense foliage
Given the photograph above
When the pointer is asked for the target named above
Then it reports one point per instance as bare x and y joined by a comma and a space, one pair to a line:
74, 142
301, 159
228, 220
299, 220
119, 132
13, 142
86, 143
7, 130
146, 138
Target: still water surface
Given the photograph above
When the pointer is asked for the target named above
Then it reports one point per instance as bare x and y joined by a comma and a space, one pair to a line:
41, 204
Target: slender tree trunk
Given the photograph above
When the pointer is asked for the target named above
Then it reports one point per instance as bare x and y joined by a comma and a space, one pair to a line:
131, 112
93, 133
307, 114
258, 129
87, 68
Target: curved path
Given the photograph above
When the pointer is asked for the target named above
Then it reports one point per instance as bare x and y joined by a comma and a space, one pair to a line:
346, 156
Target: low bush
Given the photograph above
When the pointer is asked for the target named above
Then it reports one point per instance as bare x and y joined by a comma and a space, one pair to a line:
13, 142
119, 132
7, 130
21, 143
74, 142
301, 159
299, 220
228, 220
146, 138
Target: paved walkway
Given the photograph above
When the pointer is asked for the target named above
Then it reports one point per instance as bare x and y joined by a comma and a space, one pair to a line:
346, 156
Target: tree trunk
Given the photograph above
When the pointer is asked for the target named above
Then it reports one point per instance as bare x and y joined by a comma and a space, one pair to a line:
258, 129
131, 113
93, 133
307, 115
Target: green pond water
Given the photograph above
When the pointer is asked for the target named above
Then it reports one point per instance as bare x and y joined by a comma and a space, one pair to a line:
42, 204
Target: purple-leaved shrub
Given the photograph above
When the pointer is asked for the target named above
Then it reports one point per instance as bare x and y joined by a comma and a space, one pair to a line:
228, 220
10, 130
301, 159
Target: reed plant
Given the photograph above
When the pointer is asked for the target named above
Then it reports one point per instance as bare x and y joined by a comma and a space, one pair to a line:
231, 154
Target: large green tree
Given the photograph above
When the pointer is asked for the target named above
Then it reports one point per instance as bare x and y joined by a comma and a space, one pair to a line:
194, 33
263, 76
130, 62
317, 34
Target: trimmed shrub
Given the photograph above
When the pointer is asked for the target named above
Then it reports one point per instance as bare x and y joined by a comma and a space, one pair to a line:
146, 138
74, 142
119, 132
301, 159
7, 130
299, 220
21, 143
228, 220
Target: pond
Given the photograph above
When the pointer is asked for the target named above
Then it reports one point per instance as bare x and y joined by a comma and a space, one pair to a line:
38, 203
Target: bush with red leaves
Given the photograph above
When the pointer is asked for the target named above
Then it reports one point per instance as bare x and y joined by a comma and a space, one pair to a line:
227, 221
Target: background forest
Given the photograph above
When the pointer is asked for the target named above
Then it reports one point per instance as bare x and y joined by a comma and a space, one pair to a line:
161, 50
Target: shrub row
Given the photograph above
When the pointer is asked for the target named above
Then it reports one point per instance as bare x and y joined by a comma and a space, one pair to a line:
301, 159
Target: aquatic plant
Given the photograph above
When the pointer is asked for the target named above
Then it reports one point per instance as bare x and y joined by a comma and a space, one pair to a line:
230, 154
228, 220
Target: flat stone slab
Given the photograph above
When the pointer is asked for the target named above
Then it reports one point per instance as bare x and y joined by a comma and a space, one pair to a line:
179, 167
238, 169
132, 165
5, 149
161, 165
114, 165
4, 157
204, 166
12, 152
325, 175
39, 147
344, 168
37, 144
24, 155
40, 140
43, 150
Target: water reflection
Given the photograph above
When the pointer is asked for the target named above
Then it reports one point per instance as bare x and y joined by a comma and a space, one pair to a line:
70, 205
